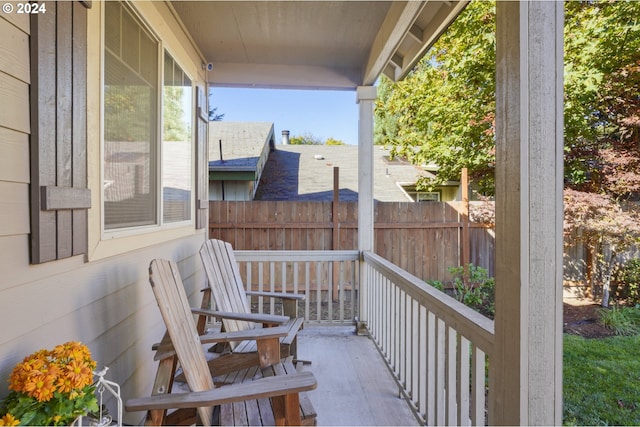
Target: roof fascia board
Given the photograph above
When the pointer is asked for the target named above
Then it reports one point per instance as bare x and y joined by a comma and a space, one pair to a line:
395, 27
430, 35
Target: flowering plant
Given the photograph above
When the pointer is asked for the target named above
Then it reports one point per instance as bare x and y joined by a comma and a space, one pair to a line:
51, 387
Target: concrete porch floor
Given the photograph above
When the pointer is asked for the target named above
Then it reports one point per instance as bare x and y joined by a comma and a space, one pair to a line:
355, 388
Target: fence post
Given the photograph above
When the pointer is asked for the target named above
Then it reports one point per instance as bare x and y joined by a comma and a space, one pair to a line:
465, 253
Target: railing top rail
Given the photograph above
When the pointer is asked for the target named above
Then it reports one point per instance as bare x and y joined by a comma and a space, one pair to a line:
301, 256
471, 324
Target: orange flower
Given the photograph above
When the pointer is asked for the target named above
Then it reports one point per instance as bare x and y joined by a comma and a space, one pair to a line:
40, 386
9, 420
79, 373
64, 384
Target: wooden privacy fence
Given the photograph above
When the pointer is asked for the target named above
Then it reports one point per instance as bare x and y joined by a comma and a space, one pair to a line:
421, 238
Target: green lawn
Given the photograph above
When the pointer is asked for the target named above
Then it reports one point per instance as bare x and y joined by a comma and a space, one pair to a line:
602, 380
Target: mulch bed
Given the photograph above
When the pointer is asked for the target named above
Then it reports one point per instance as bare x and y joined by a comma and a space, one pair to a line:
583, 320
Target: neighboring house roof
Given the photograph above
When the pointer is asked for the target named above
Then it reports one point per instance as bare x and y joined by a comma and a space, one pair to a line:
243, 146
305, 172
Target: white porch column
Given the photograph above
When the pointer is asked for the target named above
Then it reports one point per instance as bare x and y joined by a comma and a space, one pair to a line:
526, 369
365, 97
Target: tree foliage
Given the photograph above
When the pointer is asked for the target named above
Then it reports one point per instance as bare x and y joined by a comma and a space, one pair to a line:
602, 129
214, 116
444, 111
333, 141
305, 139
310, 139
602, 101
176, 127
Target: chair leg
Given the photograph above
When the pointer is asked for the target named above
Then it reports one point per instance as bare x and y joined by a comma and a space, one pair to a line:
162, 385
286, 410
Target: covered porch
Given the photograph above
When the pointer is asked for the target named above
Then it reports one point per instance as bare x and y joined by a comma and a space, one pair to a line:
81, 268
452, 365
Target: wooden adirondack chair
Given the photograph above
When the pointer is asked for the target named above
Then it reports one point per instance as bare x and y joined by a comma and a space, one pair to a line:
229, 295
281, 387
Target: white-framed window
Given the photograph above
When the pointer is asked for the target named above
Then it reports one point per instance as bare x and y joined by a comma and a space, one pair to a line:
148, 153
421, 196
177, 142
427, 196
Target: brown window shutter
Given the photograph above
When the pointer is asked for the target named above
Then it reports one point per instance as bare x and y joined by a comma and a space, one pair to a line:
202, 161
59, 194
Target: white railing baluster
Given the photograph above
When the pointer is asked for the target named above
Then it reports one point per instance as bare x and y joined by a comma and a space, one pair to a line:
441, 367
318, 292
463, 373
478, 387
260, 286
307, 291
422, 370
431, 370
330, 291
272, 286
415, 353
451, 389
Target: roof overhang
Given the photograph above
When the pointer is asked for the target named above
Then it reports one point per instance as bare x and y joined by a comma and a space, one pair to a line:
336, 45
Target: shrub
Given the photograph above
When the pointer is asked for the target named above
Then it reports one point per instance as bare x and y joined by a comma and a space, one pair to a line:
628, 288
623, 320
436, 284
479, 291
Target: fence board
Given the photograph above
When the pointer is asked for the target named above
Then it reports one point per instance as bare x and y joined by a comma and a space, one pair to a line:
422, 238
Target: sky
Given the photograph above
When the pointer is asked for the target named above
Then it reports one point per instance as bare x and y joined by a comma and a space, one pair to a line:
323, 114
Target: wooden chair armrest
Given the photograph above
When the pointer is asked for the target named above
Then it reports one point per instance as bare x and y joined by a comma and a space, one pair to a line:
251, 334
165, 348
282, 295
271, 319
264, 387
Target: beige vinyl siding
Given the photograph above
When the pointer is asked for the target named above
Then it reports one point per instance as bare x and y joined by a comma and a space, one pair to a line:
18, 20
104, 301
14, 208
14, 128
14, 162
14, 109
106, 304
14, 52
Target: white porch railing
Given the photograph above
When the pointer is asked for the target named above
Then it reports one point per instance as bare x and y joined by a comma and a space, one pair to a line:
436, 347
329, 279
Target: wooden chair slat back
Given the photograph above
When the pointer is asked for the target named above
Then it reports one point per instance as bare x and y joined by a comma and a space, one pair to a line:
171, 297
226, 285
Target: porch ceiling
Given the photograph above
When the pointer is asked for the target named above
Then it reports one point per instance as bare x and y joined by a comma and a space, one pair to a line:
313, 44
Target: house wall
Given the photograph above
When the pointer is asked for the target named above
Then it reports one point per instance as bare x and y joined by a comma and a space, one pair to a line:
233, 190
102, 299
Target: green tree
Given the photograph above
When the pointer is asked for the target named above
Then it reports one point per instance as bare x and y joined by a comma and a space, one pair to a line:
333, 141
444, 111
214, 116
305, 139
602, 82
175, 126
